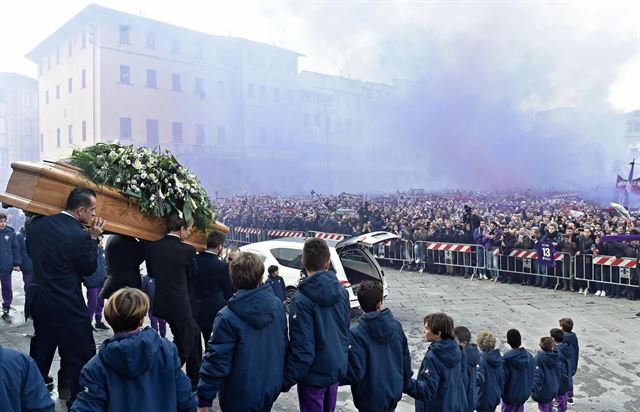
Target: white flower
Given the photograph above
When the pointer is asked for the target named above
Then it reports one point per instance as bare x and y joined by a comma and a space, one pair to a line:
152, 198
143, 175
128, 161
117, 180
142, 185
137, 164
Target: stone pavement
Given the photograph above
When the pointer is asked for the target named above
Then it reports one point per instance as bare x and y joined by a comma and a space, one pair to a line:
608, 377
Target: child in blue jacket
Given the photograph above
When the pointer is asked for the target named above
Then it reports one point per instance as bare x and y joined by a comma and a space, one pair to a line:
470, 362
10, 260
246, 353
379, 357
547, 376
135, 370
21, 385
566, 355
490, 373
438, 386
519, 369
566, 324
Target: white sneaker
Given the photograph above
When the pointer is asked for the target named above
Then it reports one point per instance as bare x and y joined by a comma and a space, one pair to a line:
597, 293
580, 291
603, 294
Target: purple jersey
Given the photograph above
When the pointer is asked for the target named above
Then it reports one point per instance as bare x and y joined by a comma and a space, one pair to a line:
546, 252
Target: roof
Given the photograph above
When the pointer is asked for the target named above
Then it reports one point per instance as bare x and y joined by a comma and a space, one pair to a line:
93, 11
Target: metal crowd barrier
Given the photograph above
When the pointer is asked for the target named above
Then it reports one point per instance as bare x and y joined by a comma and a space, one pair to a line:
395, 251
443, 257
521, 262
328, 236
244, 235
606, 270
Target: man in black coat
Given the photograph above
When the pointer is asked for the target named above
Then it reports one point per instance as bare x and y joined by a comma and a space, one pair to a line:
172, 264
63, 252
124, 255
212, 284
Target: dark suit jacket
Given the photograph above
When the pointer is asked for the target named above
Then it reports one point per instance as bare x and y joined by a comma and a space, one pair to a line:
62, 253
212, 286
124, 255
173, 265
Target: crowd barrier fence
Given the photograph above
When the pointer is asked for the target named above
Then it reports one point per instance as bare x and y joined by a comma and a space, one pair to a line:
449, 257
599, 270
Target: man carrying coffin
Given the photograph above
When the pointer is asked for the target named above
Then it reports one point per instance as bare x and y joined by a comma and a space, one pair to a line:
63, 252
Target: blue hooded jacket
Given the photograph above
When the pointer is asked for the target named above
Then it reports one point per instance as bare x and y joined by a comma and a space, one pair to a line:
519, 369
277, 285
565, 355
319, 329
491, 382
246, 353
21, 385
379, 362
469, 364
96, 279
135, 372
547, 377
438, 387
572, 340
9, 251
27, 264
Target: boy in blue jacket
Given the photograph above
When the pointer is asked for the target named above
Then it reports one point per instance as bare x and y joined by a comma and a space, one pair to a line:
135, 370
379, 358
10, 260
21, 385
547, 377
247, 349
519, 369
490, 373
566, 324
277, 283
319, 321
438, 387
469, 364
566, 355
94, 283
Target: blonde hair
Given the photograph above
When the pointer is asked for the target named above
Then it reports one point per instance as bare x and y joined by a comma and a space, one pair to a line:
486, 341
125, 309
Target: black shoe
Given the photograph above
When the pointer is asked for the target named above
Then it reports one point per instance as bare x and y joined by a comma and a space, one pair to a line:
5, 313
48, 380
638, 314
570, 401
101, 326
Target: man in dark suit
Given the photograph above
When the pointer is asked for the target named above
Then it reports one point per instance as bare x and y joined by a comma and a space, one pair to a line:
212, 284
172, 264
124, 255
63, 252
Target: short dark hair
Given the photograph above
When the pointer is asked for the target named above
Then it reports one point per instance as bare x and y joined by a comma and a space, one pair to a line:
2, 216
246, 271
440, 323
175, 222
462, 333
272, 269
315, 254
513, 338
557, 335
215, 239
125, 309
566, 324
546, 343
370, 293
79, 197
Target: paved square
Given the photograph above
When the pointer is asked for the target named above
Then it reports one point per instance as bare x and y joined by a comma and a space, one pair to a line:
608, 377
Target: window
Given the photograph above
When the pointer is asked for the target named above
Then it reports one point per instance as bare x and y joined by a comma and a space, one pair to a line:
176, 131
199, 135
263, 92
198, 50
175, 82
57, 91
70, 134
317, 119
250, 91
83, 42
276, 95
263, 136
291, 258
152, 132
221, 89
39, 68
199, 86
123, 34
151, 78
28, 127
84, 130
83, 79
57, 56
3, 125
46, 97
41, 142
4, 157
175, 45
70, 47
58, 138
151, 40
27, 99
125, 128
69, 85
124, 74
222, 135
48, 62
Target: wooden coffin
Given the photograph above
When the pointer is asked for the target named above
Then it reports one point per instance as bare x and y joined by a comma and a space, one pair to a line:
43, 188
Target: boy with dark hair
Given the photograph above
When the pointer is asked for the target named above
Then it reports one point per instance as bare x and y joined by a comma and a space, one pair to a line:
490, 373
566, 324
438, 387
547, 376
277, 283
319, 319
565, 353
519, 369
10, 260
469, 364
379, 358
246, 353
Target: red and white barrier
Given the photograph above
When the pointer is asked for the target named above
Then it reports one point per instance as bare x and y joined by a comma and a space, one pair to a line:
248, 230
285, 233
532, 254
450, 247
622, 262
330, 236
